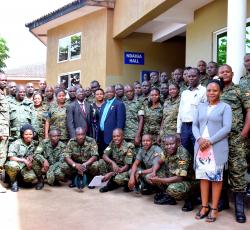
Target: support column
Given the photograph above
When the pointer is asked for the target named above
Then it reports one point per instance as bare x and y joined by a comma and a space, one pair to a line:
236, 36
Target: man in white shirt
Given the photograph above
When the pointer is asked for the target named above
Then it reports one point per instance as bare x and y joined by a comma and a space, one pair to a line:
190, 98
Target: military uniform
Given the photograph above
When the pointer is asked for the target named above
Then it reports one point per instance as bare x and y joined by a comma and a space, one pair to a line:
45, 151
90, 99
156, 85
57, 120
169, 120
19, 149
204, 78
21, 113
150, 157
134, 108
245, 86
41, 114
4, 127
121, 156
152, 121
80, 154
178, 164
238, 100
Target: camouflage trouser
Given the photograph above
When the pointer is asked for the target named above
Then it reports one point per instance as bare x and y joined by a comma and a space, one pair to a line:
66, 170
120, 179
248, 154
53, 174
3, 152
237, 164
13, 168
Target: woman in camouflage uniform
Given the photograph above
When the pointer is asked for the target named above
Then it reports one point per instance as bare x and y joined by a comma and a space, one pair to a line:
41, 115
170, 111
57, 116
153, 112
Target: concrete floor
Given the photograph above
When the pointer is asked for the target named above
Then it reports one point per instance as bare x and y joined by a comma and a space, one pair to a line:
62, 208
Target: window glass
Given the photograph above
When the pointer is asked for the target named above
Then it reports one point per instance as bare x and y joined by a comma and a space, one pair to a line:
75, 46
63, 49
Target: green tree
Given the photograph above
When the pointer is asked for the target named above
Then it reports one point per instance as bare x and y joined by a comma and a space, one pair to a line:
3, 53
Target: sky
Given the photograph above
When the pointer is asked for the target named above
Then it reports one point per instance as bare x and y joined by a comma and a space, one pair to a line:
25, 48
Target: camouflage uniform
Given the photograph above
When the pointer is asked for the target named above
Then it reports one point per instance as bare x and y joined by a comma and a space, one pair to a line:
178, 164
204, 79
80, 154
237, 165
121, 156
245, 86
90, 99
21, 150
156, 85
150, 157
10, 98
4, 127
169, 120
21, 113
41, 114
134, 108
152, 121
45, 151
57, 120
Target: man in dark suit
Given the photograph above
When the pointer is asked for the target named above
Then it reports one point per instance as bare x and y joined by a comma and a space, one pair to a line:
79, 114
112, 116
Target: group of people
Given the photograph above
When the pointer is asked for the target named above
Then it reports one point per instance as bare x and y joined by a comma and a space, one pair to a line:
167, 135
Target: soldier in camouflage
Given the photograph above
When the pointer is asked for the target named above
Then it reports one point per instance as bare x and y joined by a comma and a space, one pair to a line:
80, 157
21, 113
170, 111
146, 88
72, 95
146, 158
29, 88
202, 66
4, 125
154, 79
239, 100
94, 85
11, 91
57, 116
20, 159
174, 174
245, 86
49, 156
134, 117
153, 112
116, 161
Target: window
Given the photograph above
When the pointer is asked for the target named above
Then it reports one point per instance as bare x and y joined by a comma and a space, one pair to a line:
69, 48
69, 79
220, 44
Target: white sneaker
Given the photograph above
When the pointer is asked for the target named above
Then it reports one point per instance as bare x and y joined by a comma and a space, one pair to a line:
2, 189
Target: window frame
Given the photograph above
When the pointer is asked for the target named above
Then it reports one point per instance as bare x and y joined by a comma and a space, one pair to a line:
68, 73
217, 35
69, 48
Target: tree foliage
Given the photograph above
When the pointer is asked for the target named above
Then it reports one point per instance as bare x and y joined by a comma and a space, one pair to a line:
3, 53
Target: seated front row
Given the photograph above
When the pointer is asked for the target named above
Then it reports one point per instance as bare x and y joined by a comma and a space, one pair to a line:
167, 172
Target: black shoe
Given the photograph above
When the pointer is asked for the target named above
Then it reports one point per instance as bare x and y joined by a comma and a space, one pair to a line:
248, 190
223, 202
239, 207
188, 206
126, 189
109, 187
72, 184
104, 189
166, 199
39, 185
159, 195
91, 187
14, 187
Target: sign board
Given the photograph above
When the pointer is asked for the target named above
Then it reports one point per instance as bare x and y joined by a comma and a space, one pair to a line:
133, 58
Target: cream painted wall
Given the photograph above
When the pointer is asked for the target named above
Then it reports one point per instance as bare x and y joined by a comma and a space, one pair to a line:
199, 35
93, 49
130, 14
158, 56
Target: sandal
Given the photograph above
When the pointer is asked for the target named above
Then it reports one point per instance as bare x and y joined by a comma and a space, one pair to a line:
211, 218
200, 216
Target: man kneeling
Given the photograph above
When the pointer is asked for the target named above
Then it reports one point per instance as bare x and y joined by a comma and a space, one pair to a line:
116, 161
171, 173
146, 158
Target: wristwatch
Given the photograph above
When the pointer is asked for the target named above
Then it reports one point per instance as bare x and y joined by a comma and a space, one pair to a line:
140, 172
73, 165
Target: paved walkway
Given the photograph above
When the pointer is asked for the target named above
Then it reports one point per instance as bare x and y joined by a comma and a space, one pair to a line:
62, 208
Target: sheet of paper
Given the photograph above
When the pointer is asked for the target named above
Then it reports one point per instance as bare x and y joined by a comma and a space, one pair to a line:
97, 182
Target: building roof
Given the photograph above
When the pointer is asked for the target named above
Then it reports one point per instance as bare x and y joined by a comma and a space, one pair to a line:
68, 9
27, 72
